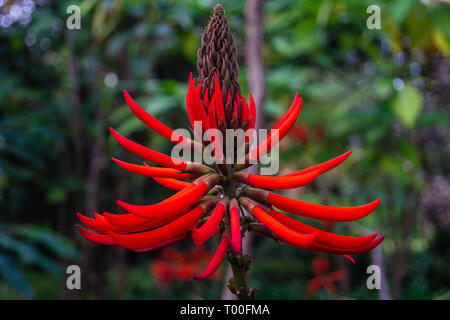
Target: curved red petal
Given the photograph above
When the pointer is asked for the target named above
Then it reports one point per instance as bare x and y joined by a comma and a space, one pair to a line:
321, 212
173, 184
245, 111
152, 172
151, 121
327, 249
98, 225
323, 237
281, 130
218, 99
147, 153
235, 227
216, 260
164, 244
268, 182
208, 229
283, 232
171, 206
325, 166
252, 112
147, 239
289, 112
97, 237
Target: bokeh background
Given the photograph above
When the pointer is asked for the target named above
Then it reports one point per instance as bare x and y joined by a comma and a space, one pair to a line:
382, 93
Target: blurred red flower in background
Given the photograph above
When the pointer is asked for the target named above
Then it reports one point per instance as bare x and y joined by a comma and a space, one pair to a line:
175, 265
323, 277
300, 133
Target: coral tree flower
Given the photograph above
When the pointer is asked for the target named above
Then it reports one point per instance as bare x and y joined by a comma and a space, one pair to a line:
210, 199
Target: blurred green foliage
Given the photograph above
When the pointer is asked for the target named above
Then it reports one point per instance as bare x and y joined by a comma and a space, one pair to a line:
381, 93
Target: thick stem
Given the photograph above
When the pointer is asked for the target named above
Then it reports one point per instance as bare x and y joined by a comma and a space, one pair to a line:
238, 283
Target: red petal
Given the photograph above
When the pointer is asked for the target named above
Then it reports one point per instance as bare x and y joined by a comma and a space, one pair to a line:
321, 212
151, 121
323, 237
152, 172
147, 239
245, 111
283, 128
97, 237
333, 250
98, 225
283, 232
289, 112
164, 244
325, 166
219, 101
235, 226
212, 121
208, 229
206, 97
268, 182
173, 184
217, 259
189, 109
171, 206
195, 106
349, 258
217, 146
252, 112
147, 153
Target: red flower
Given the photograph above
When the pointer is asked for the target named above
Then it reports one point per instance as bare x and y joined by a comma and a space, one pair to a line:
162, 271
222, 188
178, 265
300, 133
324, 278
182, 214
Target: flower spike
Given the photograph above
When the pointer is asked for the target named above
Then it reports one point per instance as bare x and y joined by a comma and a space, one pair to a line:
209, 195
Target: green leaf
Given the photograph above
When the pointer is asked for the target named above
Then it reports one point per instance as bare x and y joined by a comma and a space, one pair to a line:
57, 244
14, 277
407, 105
28, 254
